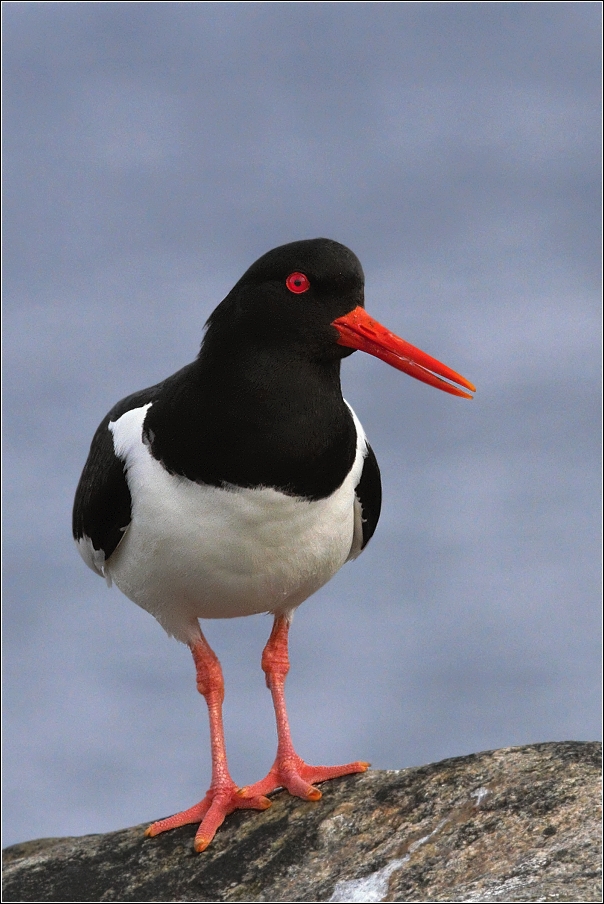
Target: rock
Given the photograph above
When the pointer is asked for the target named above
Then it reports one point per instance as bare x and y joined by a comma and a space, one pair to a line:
518, 824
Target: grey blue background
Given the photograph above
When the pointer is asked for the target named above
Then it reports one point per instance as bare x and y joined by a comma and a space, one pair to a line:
152, 152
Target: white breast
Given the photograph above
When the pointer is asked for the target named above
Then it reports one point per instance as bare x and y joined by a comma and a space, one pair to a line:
195, 551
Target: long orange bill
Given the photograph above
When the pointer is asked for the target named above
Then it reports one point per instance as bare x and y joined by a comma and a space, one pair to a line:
358, 330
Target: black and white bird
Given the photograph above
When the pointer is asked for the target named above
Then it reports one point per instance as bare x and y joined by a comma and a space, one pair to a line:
243, 482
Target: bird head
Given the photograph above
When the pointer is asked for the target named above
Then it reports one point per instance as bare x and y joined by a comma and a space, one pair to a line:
307, 298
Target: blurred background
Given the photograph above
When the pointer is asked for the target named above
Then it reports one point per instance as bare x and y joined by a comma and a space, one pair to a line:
152, 151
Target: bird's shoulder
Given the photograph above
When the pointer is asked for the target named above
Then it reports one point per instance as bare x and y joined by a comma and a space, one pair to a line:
368, 502
103, 506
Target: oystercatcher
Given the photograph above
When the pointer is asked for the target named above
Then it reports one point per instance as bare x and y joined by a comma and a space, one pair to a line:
244, 481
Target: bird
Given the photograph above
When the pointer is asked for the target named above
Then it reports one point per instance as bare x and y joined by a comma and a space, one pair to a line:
243, 482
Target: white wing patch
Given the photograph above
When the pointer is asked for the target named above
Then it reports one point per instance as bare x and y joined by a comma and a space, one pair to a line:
357, 537
94, 558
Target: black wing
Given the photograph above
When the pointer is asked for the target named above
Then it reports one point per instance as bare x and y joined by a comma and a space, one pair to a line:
368, 494
102, 505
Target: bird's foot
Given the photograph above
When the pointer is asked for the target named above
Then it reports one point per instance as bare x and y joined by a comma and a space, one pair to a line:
292, 773
210, 813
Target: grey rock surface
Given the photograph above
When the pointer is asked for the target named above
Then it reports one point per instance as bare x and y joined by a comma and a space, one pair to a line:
517, 824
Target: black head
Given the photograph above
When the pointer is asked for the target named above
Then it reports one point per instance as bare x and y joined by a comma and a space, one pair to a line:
305, 302
290, 297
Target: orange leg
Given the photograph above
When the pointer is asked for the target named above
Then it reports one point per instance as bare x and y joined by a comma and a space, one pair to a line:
223, 795
289, 770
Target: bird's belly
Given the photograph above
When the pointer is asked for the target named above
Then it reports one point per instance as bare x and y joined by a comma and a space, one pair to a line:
196, 551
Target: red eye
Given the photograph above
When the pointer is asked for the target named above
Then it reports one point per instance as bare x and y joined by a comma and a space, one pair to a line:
298, 283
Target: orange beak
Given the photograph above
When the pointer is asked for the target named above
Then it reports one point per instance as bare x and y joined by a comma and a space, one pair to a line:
358, 330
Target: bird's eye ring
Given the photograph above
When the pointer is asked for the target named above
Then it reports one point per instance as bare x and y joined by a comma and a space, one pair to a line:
297, 283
